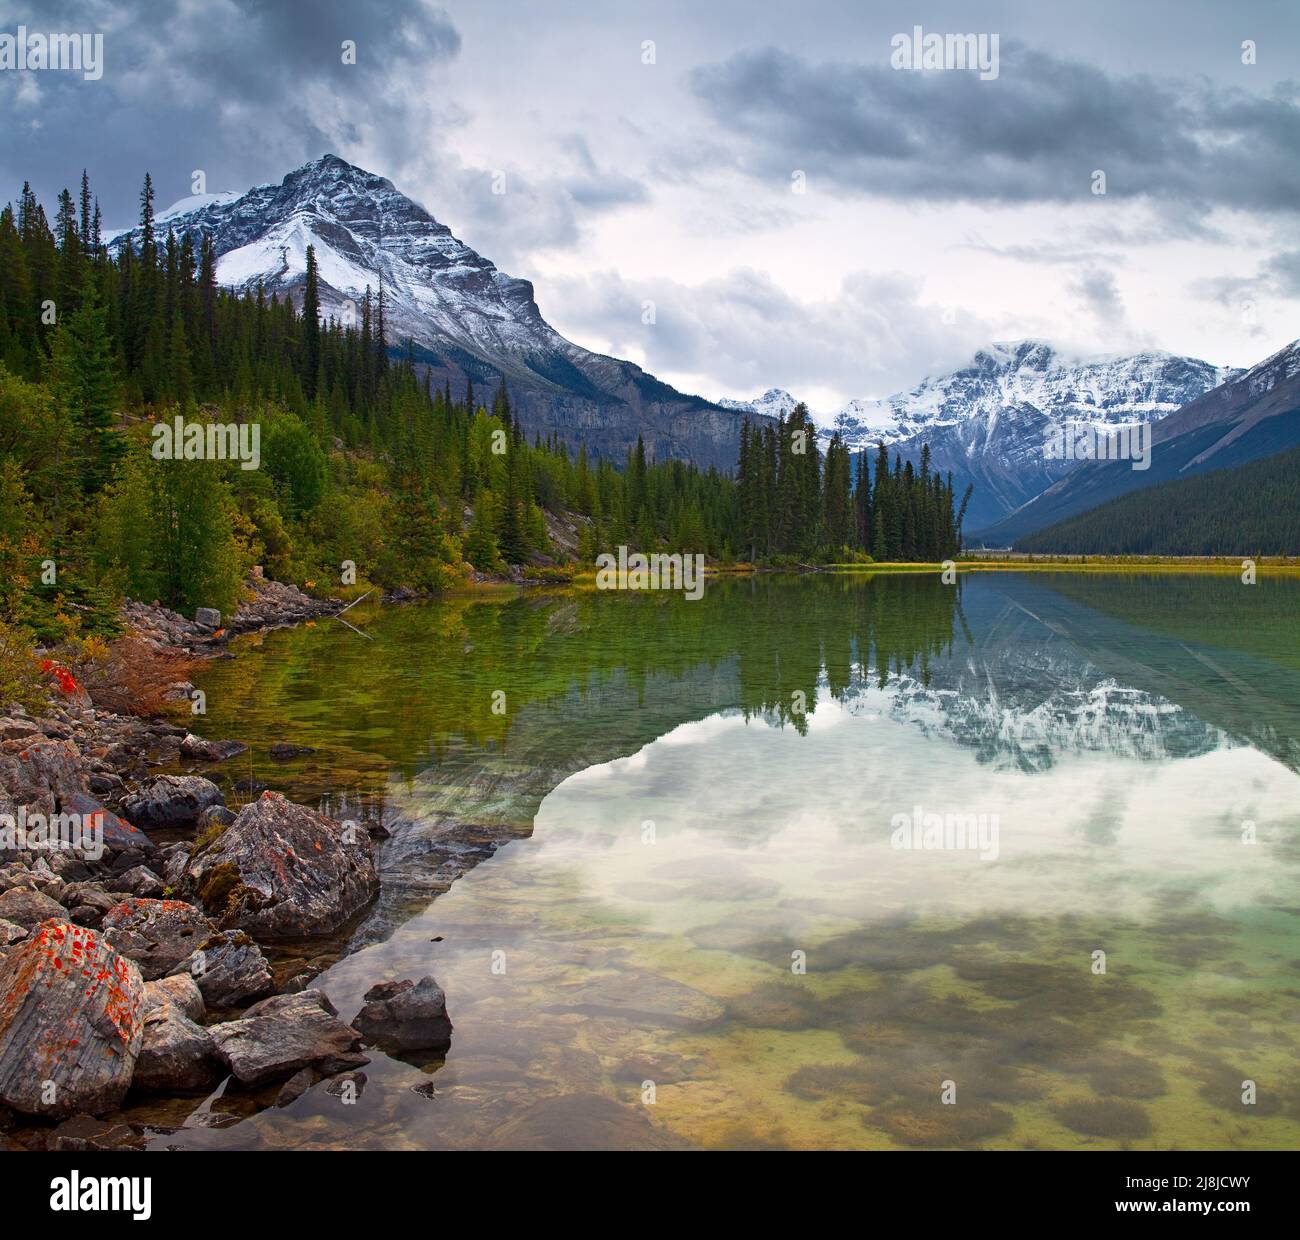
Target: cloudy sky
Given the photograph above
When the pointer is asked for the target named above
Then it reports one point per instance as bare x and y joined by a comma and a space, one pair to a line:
650, 151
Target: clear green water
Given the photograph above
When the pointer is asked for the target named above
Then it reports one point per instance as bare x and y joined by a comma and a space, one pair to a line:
615, 984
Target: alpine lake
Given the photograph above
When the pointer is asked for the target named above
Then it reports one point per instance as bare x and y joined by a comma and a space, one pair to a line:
693, 873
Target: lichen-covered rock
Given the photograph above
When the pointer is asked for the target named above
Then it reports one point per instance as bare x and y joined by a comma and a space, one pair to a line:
405, 1016
70, 1023
119, 836
284, 1034
171, 801
229, 970
39, 775
157, 934
283, 870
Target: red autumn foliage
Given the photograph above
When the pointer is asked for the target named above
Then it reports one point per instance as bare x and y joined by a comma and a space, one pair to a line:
133, 678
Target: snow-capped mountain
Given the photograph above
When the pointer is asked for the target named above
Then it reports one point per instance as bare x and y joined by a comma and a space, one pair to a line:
774, 403
467, 318
987, 422
1111, 390
1249, 417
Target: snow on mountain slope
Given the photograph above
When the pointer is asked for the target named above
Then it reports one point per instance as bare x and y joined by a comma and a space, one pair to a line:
1110, 390
774, 403
986, 423
1254, 415
468, 320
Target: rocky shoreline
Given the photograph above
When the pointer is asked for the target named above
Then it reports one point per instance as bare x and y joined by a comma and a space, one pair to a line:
138, 915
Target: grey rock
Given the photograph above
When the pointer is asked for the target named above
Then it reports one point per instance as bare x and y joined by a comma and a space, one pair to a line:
229, 970
28, 907
405, 1016
138, 881
282, 1035
176, 1053
171, 801
177, 988
157, 934
210, 751
283, 870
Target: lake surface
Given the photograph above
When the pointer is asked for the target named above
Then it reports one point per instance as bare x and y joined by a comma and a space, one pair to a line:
697, 927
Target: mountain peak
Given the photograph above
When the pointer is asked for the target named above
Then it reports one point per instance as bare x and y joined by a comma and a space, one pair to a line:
465, 319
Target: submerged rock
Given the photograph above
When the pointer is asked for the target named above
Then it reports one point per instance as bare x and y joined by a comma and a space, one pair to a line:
281, 751
405, 1016
210, 751
70, 1023
283, 870
284, 1034
84, 1133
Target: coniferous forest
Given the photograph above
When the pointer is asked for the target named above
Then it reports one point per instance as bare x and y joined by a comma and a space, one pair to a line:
1250, 508
363, 458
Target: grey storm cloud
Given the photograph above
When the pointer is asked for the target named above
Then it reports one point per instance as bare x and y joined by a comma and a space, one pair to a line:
243, 90
1035, 134
872, 338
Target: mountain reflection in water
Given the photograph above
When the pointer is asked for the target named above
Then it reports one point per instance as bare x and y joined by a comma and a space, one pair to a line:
683, 799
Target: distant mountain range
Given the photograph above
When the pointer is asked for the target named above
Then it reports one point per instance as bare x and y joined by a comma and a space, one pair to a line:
1253, 416
468, 320
986, 423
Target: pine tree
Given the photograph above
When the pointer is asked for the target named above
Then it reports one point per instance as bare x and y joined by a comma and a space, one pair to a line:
311, 350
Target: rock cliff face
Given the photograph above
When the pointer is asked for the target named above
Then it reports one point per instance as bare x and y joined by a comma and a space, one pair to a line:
466, 319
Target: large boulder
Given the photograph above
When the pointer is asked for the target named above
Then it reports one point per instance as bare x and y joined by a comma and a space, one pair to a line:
171, 801
157, 934
70, 1023
229, 969
405, 1016
176, 1053
28, 907
282, 1035
119, 835
39, 776
284, 871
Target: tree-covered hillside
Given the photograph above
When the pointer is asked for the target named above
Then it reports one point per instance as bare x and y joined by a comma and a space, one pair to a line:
361, 458
1252, 509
